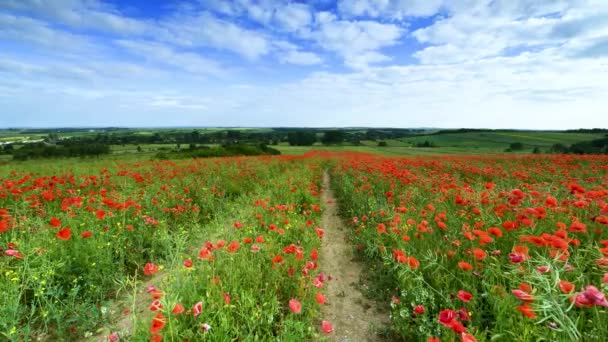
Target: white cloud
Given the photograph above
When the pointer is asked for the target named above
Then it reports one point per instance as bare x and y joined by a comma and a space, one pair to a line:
293, 17
393, 9
80, 14
300, 58
357, 42
484, 29
202, 29
163, 54
39, 33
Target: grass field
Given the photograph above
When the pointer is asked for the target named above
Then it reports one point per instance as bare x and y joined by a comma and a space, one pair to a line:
502, 140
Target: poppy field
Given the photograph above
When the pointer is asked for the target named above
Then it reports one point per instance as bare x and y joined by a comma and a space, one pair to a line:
484, 248
497, 248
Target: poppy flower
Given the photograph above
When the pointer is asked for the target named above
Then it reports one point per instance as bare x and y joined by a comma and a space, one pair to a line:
327, 327
468, 337
150, 268
113, 337
158, 323
590, 297
295, 306
86, 235
156, 305
177, 309
233, 247
320, 232
523, 296
226, 298
188, 263
519, 254
433, 339
464, 296
320, 298
55, 222
526, 310
465, 265
64, 234
419, 309
204, 253
566, 286
447, 316
197, 309
479, 254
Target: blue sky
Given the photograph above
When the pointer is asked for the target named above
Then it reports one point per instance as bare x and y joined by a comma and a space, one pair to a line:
534, 64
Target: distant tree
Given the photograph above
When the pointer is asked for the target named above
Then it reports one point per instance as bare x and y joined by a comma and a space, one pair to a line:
233, 135
382, 144
333, 137
301, 138
559, 148
536, 150
139, 148
426, 143
517, 146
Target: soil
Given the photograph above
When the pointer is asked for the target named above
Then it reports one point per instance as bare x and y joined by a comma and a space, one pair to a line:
353, 316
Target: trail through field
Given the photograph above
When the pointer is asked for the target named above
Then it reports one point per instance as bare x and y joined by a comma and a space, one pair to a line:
353, 316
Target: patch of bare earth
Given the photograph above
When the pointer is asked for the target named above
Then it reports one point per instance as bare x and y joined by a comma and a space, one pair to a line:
353, 316
128, 309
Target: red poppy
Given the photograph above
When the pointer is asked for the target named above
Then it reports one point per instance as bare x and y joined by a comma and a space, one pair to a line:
468, 337
64, 234
479, 254
188, 263
100, 214
419, 309
177, 309
55, 222
464, 296
527, 310
295, 306
86, 234
566, 286
327, 327
465, 265
226, 298
320, 232
150, 268
320, 298
233, 247
158, 323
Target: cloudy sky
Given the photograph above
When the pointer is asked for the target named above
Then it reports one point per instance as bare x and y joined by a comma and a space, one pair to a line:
319, 63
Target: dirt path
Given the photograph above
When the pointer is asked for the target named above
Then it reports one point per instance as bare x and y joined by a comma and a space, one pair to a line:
353, 316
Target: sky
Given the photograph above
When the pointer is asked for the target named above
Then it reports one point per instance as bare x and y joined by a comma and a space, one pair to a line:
526, 64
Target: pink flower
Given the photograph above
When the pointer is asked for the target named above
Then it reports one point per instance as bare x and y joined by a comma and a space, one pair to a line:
591, 296
197, 309
523, 296
295, 306
320, 298
543, 269
113, 337
327, 327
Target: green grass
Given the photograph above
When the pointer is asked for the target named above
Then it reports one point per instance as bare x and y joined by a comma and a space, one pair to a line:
502, 140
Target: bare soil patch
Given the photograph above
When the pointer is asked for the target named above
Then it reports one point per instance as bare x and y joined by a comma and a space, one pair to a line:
354, 317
